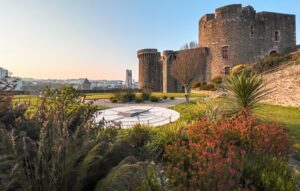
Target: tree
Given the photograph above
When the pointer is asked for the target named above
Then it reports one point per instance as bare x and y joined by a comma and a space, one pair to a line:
186, 67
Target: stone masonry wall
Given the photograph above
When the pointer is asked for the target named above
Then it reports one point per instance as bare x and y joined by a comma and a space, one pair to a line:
248, 35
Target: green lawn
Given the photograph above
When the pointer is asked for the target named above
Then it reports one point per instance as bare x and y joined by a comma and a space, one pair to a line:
91, 96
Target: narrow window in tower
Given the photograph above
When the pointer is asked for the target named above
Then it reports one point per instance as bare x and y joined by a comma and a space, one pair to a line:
276, 36
225, 52
252, 31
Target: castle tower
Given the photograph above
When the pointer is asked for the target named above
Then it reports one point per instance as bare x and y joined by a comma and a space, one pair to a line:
238, 35
169, 83
150, 70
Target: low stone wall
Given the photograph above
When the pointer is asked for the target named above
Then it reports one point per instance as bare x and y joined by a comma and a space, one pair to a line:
285, 87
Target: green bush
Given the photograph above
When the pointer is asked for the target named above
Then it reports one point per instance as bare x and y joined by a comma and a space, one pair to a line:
268, 173
138, 99
165, 97
146, 95
217, 80
196, 85
245, 90
207, 87
172, 97
154, 99
123, 97
269, 62
113, 100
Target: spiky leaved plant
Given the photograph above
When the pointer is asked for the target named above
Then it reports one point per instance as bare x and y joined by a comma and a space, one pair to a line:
245, 90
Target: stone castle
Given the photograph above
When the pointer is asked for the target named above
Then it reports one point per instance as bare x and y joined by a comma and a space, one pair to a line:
232, 35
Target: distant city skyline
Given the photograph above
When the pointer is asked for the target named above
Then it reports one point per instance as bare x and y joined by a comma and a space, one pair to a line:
99, 39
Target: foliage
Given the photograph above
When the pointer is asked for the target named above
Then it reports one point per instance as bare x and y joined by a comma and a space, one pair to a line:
192, 110
113, 99
201, 160
165, 97
123, 97
146, 95
164, 135
130, 174
217, 80
154, 98
207, 87
138, 99
186, 67
172, 97
267, 172
239, 69
288, 116
254, 136
269, 62
203, 86
245, 90
193, 159
70, 152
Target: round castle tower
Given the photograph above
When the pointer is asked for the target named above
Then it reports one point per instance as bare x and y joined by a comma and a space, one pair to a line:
169, 83
150, 70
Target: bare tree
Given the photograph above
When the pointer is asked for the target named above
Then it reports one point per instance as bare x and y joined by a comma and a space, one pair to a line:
186, 66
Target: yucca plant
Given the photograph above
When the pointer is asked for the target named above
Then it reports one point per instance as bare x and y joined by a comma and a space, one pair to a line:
245, 90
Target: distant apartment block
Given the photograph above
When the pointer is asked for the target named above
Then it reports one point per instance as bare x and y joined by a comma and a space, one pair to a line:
3, 73
128, 81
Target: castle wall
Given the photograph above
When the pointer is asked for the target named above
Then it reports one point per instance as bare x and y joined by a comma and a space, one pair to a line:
232, 35
170, 84
150, 70
247, 34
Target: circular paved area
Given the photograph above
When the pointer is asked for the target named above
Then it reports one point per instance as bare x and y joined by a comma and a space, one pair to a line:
145, 115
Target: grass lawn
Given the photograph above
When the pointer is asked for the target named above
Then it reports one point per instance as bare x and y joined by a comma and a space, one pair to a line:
91, 96
288, 116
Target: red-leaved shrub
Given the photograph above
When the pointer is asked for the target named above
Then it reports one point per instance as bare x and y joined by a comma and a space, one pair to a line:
253, 135
208, 155
201, 160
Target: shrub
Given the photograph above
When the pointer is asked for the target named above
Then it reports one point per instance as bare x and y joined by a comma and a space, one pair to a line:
201, 160
123, 97
269, 62
217, 80
146, 95
254, 136
245, 90
113, 100
138, 99
165, 97
267, 172
211, 155
207, 87
154, 99
239, 69
196, 85
172, 97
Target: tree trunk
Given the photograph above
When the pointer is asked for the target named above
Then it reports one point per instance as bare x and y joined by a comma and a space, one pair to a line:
186, 94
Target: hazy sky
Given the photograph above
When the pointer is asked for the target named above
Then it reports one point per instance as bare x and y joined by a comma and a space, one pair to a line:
98, 39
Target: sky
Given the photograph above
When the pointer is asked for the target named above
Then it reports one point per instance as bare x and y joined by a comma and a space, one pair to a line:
99, 39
